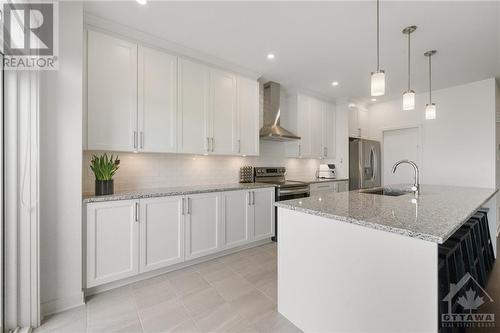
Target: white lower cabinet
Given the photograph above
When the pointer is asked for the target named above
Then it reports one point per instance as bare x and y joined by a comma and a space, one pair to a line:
236, 222
342, 186
203, 220
263, 213
112, 241
128, 237
161, 232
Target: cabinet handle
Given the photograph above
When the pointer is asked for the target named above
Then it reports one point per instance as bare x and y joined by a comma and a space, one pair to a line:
300, 149
208, 144
182, 209
189, 206
253, 198
142, 139
250, 198
135, 139
137, 217
239, 146
213, 144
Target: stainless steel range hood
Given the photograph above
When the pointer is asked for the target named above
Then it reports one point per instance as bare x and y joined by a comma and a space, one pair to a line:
272, 112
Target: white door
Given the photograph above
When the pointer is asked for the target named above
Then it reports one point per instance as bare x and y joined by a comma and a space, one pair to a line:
193, 107
236, 222
263, 211
303, 125
399, 144
157, 104
111, 93
112, 241
316, 122
329, 131
203, 222
224, 113
161, 232
248, 116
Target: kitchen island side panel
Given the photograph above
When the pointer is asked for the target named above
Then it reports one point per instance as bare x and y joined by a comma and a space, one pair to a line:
339, 277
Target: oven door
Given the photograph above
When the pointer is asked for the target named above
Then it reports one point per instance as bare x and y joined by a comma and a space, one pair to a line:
292, 193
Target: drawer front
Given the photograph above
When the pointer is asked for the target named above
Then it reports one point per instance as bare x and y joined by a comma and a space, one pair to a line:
327, 186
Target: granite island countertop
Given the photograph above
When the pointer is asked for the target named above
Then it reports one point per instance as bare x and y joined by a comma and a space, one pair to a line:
172, 191
434, 216
314, 180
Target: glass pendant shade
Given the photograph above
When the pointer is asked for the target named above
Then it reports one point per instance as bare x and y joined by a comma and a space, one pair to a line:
378, 83
430, 111
409, 100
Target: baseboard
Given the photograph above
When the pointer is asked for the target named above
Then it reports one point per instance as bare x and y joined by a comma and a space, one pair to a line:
62, 304
144, 276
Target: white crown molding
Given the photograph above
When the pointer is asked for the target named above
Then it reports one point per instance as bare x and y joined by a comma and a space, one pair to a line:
98, 23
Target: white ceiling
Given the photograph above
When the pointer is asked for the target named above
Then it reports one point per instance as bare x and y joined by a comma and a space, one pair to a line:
318, 42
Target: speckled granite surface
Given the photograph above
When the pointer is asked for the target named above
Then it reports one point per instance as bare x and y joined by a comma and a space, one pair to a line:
171, 191
314, 180
437, 213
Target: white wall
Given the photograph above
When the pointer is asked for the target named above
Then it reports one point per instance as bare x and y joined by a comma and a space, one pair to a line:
497, 145
342, 140
60, 168
458, 148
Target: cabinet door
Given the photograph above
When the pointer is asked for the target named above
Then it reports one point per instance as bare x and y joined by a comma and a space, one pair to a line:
157, 101
224, 113
263, 211
161, 232
203, 222
342, 186
111, 93
316, 112
112, 241
329, 131
248, 114
236, 221
193, 110
354, 130
303, 125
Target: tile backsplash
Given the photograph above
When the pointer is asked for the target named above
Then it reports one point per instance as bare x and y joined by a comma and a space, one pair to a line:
140, 171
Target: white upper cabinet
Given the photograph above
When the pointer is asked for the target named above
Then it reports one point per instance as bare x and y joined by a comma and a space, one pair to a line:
248, 116
223, 122
329, 131
157, 107
145, 100
161, 232
194, 112
358, 119
111, 93
314, 121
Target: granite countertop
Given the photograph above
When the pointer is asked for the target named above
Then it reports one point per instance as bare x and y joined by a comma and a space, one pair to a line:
438, 212
314, 180
172, 191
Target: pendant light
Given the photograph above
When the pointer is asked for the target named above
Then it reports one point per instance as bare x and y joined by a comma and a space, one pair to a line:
378, 77
409, 95
430, 108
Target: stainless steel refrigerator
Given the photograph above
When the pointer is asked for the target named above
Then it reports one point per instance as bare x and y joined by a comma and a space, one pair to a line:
365, 162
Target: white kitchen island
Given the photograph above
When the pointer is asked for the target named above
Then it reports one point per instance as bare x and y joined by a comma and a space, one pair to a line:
359, 262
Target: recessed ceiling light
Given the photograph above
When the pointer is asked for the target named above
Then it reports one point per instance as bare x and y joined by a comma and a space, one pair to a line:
335, 83
374, 99
270, 56
142, 2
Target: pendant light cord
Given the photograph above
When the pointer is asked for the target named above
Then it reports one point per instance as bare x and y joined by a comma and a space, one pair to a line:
409, 54
430, 80
378, 37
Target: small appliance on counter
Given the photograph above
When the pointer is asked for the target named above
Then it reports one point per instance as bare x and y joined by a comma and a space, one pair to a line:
246, 174
327, 171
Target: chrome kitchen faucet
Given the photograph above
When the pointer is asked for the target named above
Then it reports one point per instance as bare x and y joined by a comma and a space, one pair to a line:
416, 186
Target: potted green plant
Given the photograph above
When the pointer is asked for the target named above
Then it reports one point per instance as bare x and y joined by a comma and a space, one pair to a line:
104, 168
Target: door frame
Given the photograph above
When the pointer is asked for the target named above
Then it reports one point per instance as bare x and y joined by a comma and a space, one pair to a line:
419, 147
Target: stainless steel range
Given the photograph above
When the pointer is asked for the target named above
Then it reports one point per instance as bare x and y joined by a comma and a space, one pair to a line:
285, 189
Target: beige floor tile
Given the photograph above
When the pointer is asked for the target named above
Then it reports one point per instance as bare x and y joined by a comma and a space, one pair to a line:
163, 317
71, 321
273, 321
114, 320
186, 327
217, 275
233, 287
160, 281
252, 305
200, 301
209, 266
221, 319
242, 266
270, 289
150, 295
188, 283
180, 272
260, 276
235, 257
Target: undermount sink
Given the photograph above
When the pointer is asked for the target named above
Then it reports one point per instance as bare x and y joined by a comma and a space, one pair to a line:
385, 191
